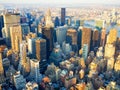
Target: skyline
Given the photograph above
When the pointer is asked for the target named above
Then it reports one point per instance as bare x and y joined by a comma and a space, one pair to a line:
75, 47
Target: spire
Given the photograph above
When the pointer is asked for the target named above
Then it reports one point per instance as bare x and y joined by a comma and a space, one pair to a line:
48, 13
48, 19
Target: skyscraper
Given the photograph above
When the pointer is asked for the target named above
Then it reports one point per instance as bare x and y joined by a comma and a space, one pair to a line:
32, 47
25, 30
40, 49
35, 74
1, 65
109, 50
63, 13
61, 34
48, 34
41, 53
79, 37
72, 39
86, 37
95, 38
110, 63
1, 25
48, 19
48, 31
2, 79
71, 36
24, 60
103, 37
112, 37
16, 37
9, 20
31, 37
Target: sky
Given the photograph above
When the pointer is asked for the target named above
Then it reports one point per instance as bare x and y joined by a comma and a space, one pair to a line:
62, 1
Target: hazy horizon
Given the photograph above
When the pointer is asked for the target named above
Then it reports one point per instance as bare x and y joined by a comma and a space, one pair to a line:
61, 2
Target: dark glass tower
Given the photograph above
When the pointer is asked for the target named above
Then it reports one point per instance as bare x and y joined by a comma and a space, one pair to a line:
63, 16
1, 25
48, 35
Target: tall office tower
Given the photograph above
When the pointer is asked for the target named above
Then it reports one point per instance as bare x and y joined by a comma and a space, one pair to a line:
112, 37
30, 38
1, 25
19, 81
48, 31
25, 30
48, 19
95, 38
16, 37
71, 38
35, 74
63, 12
31, 47
48, 34
40, 49
24, 64
79, 38
103, 37
61, 34
2, 78
109, 50
57, 22
85, 51
86, 37
9, 20
110, 63
41, 53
